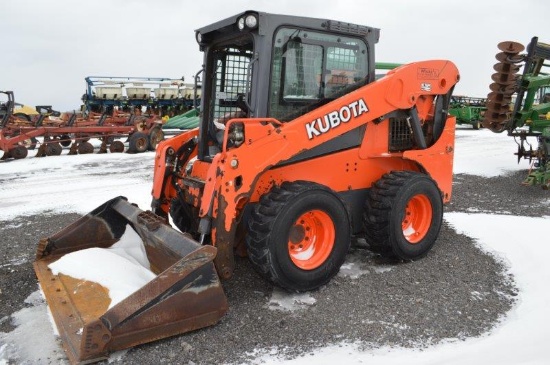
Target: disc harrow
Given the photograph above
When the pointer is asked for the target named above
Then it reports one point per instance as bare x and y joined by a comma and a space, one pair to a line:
520, 104
497, 116
50, 134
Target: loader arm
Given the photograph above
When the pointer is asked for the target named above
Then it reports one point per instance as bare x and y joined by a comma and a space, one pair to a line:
234, 172
183, 146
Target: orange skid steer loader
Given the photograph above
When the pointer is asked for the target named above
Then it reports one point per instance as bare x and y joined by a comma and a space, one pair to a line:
299, 148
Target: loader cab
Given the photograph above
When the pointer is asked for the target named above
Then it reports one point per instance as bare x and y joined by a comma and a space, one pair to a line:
266, 65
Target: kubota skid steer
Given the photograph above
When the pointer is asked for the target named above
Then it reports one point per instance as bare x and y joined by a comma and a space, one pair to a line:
299, 148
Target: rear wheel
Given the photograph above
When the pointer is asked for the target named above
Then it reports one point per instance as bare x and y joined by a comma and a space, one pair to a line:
137, 142
299, 235
403, 214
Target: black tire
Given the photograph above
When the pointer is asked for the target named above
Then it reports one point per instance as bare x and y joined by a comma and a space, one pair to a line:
19, 152
476, 125
116, 146
403, 214
137, 142
292, 214
85, 148
156, 135
53, 149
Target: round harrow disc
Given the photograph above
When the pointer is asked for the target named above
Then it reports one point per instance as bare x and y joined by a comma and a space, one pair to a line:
509, 58
85, 148
510, 47
19, 152
116, 146
500, 98
496, 118
497, 107
53, 149
504, 89
494, 126
504, 79
506, 67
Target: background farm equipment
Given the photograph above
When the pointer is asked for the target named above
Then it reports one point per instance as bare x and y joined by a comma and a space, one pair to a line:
160, 96
520, 104
468, 110
20, 133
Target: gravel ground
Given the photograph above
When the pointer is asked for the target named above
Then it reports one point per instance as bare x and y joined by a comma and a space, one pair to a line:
457, 291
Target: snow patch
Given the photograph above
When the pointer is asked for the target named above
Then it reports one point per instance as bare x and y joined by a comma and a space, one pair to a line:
33, 340
352, 270
285, 301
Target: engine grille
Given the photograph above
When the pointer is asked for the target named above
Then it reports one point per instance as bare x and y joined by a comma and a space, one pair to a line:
401, 135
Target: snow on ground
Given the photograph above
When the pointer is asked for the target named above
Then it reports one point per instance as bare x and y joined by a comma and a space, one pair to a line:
58, 184
485, 153
64, 183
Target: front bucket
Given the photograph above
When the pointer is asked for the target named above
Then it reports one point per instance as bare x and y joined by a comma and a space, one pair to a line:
185, 294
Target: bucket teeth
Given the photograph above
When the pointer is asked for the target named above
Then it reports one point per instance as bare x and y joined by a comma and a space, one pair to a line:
497, 116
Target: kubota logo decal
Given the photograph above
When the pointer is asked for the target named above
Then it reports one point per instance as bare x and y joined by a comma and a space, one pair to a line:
335, 118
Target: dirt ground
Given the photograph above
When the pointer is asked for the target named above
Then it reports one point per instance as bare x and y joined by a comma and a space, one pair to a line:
411, 304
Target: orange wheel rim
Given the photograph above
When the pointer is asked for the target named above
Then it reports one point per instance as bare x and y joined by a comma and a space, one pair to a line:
311, 239
417, 219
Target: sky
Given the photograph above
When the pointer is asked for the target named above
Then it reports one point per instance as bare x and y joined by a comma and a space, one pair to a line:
49, 47
59, 183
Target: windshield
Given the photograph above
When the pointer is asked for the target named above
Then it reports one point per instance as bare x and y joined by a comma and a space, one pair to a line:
311, 68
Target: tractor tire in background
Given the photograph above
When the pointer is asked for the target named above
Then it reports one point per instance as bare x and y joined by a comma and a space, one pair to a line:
403, 215
137, 142
156, 135
299, 235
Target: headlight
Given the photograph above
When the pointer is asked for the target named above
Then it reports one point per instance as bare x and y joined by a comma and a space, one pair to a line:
248, 21
251, 21
198, 36
240, 24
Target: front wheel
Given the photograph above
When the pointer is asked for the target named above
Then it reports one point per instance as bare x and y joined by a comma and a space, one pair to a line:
299, 235
403, 214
